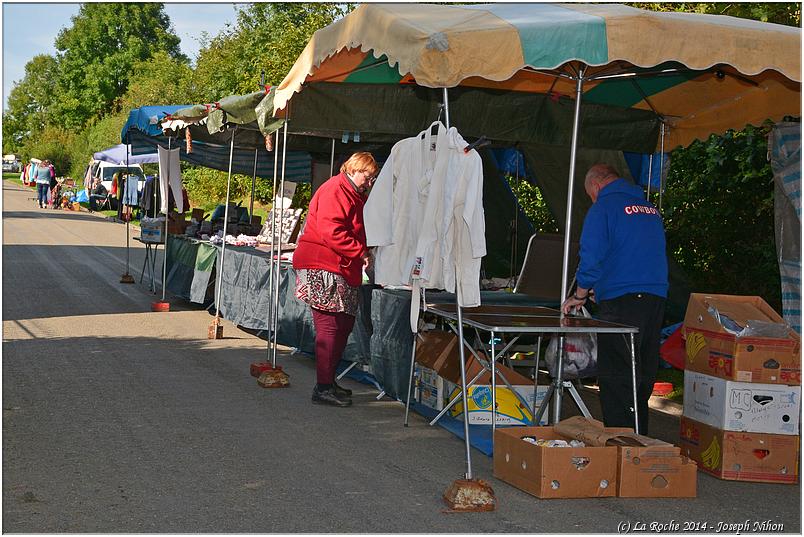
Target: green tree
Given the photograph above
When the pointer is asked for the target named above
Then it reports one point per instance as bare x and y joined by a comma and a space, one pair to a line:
718, 210
97, 52
787, 13
160, 79
268, 37
29, 103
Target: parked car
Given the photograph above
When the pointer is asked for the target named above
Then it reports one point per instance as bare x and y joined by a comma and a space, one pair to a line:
12, 166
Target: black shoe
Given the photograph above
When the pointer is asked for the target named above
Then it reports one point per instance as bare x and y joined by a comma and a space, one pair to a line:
329, 397
340, 391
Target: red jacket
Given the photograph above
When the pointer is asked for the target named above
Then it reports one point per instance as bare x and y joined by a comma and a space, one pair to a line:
334, 237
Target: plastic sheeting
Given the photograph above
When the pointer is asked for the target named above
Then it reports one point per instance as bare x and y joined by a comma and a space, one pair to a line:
190, 268
785, 150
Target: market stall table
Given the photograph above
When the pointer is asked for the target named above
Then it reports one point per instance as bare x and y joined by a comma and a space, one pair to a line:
151, 249
540, 321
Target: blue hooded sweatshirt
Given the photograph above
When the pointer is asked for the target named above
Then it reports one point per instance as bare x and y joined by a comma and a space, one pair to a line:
622, 244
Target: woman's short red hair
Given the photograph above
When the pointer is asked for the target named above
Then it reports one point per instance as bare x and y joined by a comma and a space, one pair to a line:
359, 162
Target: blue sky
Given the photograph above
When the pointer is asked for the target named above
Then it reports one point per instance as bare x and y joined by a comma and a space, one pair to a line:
31, 28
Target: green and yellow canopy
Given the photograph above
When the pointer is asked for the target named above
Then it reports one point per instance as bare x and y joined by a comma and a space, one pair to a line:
701, 74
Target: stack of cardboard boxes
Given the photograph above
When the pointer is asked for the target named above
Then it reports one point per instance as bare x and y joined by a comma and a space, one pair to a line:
742, 390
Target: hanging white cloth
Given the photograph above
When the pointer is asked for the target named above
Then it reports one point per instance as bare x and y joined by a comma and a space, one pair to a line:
425, 215
170, 174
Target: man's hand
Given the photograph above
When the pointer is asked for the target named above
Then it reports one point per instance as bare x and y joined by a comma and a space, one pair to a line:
366, 260
571, 303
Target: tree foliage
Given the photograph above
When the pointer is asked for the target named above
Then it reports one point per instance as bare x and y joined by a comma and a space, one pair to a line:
29, 103
718, 209
787, 13
96, 54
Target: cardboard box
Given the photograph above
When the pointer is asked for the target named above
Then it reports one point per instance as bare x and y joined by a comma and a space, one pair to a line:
510, 410
655, 472
152, 233
435, 347
742, 406
713, 350
553, 472
430, 389
740, 456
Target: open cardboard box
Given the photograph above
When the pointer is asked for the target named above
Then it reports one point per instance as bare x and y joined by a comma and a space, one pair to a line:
741, 456
712, 350
553, 472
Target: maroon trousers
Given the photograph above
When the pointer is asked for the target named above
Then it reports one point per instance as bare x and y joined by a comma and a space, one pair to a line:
331, 332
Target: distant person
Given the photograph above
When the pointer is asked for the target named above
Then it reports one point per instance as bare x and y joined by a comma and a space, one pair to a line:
42, 179
329, 261
97, 193
623, 259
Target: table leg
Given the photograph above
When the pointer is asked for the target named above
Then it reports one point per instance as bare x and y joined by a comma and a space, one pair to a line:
634, 385
493, 391
557, 382
536, 378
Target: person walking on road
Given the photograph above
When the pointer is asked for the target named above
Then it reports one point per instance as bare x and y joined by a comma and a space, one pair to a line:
623, 260
329, 262
42, 180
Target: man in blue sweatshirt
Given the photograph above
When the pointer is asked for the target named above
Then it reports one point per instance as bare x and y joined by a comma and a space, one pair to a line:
623, 260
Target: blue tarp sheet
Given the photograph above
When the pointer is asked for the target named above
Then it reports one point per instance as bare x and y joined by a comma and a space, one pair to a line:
146, 119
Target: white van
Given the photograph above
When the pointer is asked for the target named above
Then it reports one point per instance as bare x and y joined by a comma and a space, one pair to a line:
106, 170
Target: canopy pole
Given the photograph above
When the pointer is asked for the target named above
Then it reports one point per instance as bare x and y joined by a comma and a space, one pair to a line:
225, 225
458, 300
167, 210
567, 226
127, 278
253, 185
650, 174
332, 159
271, 312
661, 167
279, 238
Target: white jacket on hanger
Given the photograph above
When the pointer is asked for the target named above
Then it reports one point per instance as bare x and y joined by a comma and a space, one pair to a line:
425, 215
170, 174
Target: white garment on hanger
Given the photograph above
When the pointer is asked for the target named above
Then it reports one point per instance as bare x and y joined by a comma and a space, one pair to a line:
170, 174
425, 215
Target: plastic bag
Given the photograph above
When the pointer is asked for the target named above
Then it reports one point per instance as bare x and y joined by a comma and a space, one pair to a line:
580, 355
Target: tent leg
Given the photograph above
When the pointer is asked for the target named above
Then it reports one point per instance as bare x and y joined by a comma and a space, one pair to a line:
215, 328
127, 278
163, 305
279, 241
332, 159
650, 174
465, 494
568, 222
271, 311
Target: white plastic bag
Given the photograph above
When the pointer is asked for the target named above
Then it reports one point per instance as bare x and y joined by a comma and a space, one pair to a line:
580, 355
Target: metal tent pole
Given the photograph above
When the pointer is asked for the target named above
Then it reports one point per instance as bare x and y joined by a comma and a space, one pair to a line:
279, 240
271, 312
167, 208
225, 225
253, 184
567, 227
460, 337
650, 174
127, 278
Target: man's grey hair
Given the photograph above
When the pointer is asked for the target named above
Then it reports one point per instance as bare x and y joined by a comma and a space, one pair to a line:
601, 173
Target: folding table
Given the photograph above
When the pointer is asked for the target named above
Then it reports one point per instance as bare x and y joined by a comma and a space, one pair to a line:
498, 319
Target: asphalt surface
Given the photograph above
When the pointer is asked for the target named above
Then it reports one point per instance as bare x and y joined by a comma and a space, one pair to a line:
116, 419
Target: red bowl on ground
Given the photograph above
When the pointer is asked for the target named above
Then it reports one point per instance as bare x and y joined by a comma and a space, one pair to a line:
160, 306
662, 388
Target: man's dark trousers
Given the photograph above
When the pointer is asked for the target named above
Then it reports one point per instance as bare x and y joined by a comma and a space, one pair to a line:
646, 312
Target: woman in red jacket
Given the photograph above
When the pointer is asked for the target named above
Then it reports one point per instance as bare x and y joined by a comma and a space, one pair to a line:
329, 261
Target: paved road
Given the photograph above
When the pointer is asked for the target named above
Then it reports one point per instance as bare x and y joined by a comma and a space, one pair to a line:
116, 419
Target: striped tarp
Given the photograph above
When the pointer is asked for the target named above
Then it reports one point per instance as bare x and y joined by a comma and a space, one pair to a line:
785, 149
